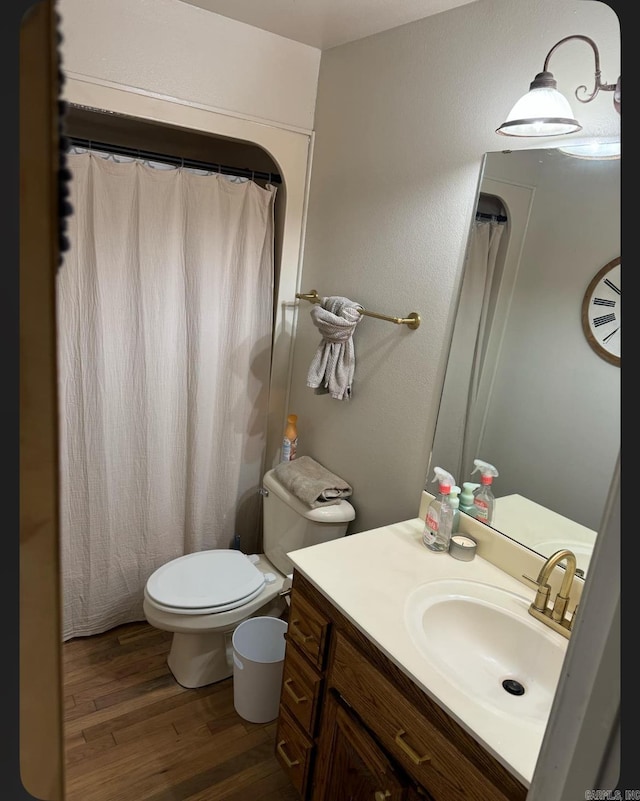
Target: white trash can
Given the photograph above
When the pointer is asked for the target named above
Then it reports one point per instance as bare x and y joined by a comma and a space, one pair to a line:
258, 660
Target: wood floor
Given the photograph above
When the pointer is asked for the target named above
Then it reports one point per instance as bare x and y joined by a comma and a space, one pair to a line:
132, 733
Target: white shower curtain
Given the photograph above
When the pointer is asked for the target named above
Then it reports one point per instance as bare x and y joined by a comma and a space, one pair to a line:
454, 448
164, 308
475, 305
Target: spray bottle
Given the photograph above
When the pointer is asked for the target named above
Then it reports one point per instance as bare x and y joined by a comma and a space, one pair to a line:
439, 518
483, 498
290, 439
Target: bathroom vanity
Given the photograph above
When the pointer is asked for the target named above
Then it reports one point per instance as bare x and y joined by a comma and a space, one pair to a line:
362, 713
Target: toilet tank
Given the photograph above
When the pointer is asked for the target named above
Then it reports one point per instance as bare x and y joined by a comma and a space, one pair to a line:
289, 524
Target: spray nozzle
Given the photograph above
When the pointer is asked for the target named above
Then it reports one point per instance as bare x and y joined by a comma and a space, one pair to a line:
487, 471
444, 479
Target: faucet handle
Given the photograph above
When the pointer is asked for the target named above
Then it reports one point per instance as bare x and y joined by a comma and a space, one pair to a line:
573, 617
542, 594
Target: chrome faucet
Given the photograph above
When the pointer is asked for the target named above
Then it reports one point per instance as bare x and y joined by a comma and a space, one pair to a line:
555, 616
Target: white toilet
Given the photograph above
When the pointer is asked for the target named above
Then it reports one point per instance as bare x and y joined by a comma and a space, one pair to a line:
203, 596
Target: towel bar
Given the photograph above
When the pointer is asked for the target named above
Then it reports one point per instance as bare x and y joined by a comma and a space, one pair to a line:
411, 321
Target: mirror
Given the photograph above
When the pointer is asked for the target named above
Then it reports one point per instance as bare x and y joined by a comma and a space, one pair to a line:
526, 388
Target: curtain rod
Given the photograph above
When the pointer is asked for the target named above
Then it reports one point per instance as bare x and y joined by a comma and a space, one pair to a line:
92, 144
412, 321
481, 215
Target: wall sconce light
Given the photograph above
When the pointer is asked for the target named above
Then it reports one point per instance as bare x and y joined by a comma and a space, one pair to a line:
593, 151
544, 111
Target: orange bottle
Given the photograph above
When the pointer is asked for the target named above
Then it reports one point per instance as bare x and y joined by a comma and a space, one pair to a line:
290, 439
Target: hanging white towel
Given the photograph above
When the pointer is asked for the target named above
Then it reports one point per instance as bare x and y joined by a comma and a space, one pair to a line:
333, 365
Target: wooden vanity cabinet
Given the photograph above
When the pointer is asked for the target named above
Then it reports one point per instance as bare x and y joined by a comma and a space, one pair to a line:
302, 685
351, 764
353, 726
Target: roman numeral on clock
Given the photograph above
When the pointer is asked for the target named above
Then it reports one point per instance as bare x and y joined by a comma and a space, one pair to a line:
601, 312
604, 319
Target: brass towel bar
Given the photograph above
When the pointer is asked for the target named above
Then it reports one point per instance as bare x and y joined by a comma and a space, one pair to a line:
412, 321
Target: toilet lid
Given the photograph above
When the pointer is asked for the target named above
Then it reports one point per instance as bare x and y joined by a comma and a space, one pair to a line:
211, 580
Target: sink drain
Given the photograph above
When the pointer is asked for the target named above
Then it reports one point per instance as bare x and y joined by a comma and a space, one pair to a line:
513, 687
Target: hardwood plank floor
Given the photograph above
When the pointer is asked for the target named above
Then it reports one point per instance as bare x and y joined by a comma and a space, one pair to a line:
132, 733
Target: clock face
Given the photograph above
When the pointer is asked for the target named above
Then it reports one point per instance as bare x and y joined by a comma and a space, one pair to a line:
602, 312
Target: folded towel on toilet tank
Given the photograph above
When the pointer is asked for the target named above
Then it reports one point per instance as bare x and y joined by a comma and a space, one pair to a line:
311, 483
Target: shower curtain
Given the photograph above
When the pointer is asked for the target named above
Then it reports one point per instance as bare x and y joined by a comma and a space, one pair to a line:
164, 309
455, 447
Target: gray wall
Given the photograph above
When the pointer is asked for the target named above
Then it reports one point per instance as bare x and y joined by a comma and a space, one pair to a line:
402, 121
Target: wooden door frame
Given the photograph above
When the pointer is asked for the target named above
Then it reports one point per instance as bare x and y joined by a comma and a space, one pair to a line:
40, 705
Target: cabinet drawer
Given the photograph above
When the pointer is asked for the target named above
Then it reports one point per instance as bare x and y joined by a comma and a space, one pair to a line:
413, 741
301, 686
294, 751
308, 629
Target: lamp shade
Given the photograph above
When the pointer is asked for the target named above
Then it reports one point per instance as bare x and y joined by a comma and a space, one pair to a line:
593, 150
543, 111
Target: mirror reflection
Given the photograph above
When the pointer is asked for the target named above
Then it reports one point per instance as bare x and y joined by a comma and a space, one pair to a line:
527, 389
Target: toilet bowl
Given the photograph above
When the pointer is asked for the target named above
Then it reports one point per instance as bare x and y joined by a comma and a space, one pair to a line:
203, 596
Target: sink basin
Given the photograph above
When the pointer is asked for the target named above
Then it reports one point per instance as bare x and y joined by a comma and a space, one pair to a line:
483, 640
581, 550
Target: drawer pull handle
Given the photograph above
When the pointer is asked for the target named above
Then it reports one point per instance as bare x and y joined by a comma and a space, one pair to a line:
415, 758
299, 699
380, 795
290, 763
303, 637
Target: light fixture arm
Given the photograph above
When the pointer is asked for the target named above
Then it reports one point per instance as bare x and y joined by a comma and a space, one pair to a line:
544, 111
605, 87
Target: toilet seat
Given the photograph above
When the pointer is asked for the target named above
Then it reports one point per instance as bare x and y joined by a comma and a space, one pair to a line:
204, 583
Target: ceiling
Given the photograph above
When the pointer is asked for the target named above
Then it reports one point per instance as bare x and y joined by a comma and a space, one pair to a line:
326, 23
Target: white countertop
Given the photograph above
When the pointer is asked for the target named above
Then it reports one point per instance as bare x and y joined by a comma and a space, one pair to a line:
368, 576
542, 529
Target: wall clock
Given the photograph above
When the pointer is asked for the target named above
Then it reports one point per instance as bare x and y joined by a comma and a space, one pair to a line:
602, 312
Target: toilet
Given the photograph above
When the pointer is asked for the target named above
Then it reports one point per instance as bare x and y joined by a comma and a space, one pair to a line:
202, 597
